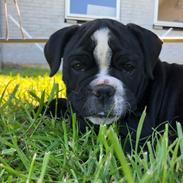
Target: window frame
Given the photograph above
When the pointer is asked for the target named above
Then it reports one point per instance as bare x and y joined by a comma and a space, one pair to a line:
164, 23
72, 16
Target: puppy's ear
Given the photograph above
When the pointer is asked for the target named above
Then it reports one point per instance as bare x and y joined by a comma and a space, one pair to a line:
54, 48
150, 44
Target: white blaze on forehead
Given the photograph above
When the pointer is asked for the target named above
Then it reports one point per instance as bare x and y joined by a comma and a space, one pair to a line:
102, 54
102, 51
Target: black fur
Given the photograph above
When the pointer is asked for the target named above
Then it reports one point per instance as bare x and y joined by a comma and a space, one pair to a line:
154, 84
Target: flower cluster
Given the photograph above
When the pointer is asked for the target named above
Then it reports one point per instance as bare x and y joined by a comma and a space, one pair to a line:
21, 86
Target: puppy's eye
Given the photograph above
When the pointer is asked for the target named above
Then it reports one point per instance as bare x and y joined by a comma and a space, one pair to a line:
78, 66
128, 67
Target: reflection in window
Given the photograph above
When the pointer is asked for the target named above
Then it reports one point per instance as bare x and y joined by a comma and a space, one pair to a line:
93, 8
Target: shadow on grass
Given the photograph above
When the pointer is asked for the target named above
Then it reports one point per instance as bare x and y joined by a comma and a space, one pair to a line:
24, 71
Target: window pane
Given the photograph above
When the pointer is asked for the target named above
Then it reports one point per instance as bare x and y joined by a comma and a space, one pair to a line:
93, 7
170, 10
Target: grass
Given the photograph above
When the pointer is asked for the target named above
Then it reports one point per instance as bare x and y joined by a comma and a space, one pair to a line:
35, 148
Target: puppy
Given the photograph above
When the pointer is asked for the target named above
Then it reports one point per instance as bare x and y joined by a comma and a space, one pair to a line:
112, 72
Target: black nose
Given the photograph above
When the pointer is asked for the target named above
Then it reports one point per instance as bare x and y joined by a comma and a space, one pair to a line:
103, 91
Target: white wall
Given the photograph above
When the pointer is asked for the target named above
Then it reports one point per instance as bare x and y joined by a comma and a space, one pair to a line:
43, 17
40, 19
141, 12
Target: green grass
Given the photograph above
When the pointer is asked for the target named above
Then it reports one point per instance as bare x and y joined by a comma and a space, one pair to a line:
23, 71
35, 148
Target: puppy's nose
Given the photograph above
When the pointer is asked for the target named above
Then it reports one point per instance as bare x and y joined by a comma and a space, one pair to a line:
103, 91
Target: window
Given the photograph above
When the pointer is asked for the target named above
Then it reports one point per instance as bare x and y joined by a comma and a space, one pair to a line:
91, 9
169, 13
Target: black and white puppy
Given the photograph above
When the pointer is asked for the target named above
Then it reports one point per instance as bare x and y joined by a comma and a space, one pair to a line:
112, 71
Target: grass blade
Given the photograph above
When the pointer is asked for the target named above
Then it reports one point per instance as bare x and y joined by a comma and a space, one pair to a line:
12, 171
120, 155
180, 135
11, 96
44, 167
4, 91
139, 129
33, 94
54, 91
21, 154
31, 169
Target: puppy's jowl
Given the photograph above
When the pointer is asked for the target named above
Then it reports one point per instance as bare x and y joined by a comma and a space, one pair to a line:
112, 72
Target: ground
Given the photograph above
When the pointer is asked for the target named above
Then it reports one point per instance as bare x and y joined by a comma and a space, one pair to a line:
36, 148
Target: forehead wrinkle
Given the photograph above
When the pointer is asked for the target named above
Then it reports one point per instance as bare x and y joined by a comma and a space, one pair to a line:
102, 51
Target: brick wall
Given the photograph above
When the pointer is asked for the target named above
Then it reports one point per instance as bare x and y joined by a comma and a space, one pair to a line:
40, 19
43, 17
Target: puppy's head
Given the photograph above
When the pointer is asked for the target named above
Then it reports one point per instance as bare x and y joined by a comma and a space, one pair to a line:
105, 66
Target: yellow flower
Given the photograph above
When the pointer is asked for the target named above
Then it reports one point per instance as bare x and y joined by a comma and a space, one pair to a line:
26, 84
